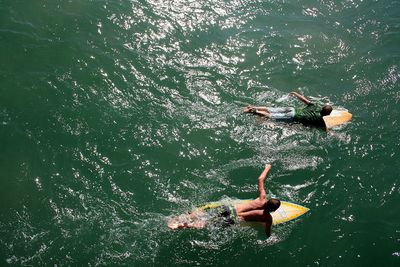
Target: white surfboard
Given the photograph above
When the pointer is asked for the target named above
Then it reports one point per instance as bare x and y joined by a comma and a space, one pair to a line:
337, 117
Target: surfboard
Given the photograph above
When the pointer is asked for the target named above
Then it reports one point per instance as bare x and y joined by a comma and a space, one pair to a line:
336, 118
286, 212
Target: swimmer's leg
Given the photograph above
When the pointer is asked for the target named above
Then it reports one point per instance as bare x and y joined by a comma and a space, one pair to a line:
194, 219
250, 109
261, 113
261, 108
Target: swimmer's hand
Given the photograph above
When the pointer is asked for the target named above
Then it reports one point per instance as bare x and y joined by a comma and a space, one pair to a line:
267, 167
264, 173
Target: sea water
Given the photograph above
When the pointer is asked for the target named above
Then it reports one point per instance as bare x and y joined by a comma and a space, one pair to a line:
115, 115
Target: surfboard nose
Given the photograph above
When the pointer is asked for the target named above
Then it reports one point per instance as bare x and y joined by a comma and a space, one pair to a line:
336, 118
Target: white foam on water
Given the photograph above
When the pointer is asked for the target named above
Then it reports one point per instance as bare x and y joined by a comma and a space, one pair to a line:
283, 99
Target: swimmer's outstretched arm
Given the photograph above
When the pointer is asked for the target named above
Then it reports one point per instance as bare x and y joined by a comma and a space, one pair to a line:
300, 97
261, 179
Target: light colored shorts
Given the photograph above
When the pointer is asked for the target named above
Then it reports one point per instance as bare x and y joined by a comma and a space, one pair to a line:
281, 114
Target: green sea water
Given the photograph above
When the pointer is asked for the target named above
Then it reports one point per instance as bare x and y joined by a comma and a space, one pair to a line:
117, 114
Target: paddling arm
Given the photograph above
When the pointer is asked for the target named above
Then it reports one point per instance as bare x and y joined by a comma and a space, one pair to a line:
268, 224
300, 97
261, 180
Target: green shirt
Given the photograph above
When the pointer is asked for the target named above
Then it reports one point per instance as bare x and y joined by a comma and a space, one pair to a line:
309, 115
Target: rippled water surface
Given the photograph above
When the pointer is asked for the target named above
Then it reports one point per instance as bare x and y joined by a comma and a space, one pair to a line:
116, 114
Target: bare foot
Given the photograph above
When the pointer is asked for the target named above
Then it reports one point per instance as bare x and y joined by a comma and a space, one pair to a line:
248, 109
183, 225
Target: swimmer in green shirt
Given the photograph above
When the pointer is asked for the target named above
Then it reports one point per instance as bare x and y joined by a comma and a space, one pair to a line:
310, 114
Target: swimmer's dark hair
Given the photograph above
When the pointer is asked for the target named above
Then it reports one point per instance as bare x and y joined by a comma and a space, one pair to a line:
272, 205
326, 110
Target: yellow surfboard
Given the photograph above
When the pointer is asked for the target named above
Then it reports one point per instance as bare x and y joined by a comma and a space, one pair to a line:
286, 212
336, 118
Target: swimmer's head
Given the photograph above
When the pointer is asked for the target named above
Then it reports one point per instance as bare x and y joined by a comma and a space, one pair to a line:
272, 205
326, 110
